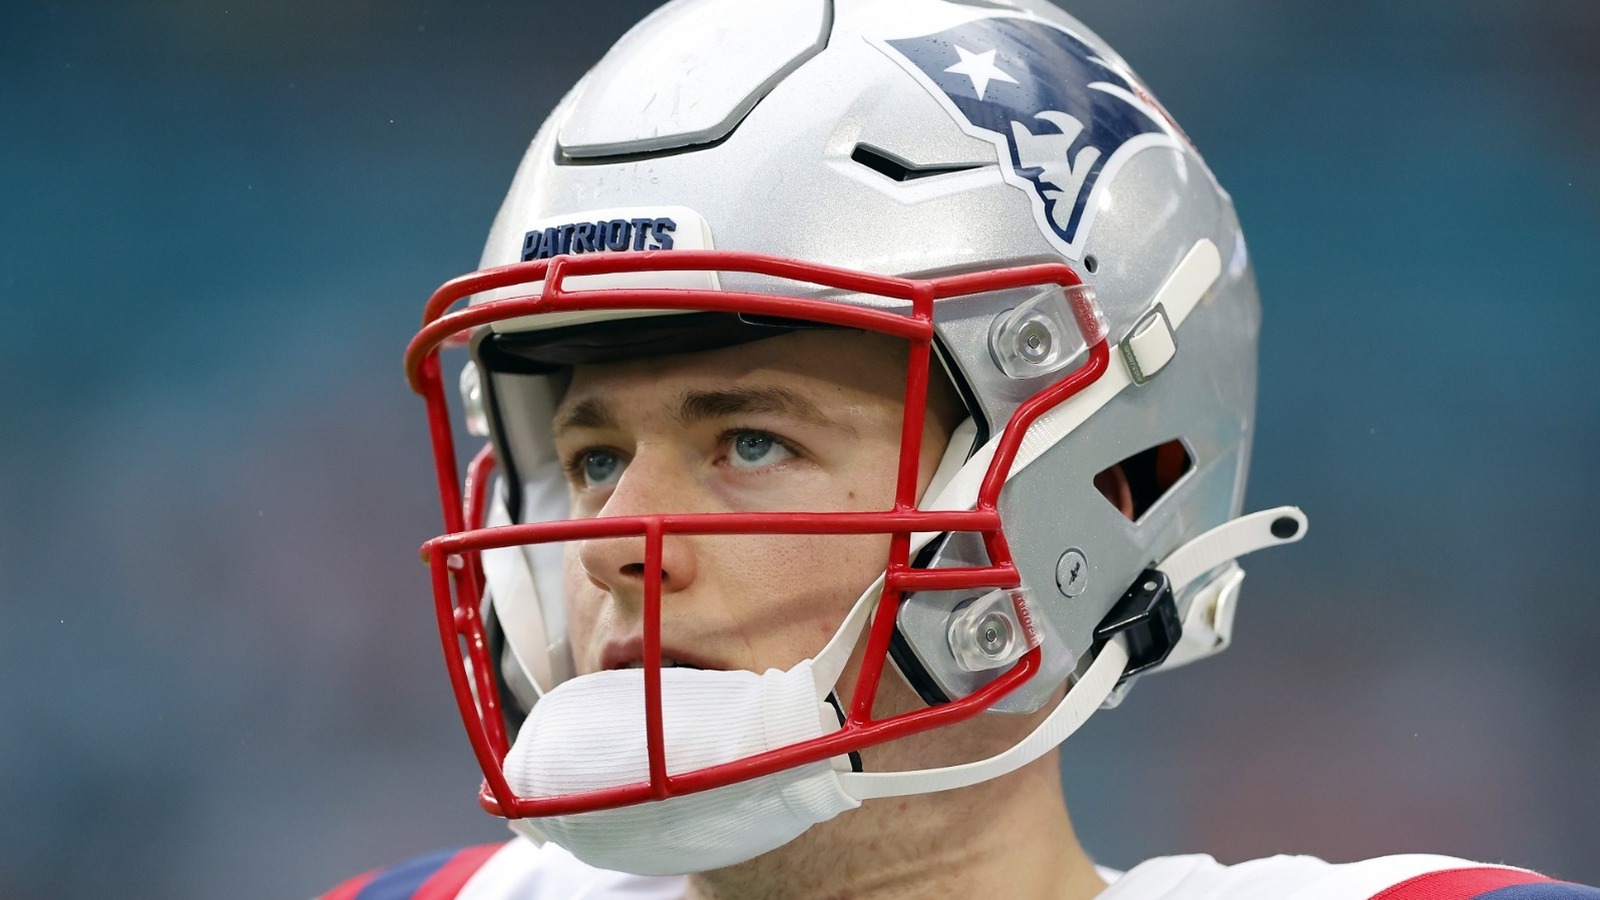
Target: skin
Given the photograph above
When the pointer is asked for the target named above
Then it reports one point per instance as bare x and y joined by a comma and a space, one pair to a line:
806, 421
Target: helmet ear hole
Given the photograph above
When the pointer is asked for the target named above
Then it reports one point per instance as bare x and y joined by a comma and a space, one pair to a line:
1112, 483
1138, 482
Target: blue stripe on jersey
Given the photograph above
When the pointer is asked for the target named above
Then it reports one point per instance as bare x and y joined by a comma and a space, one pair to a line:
401, 881
1543, 890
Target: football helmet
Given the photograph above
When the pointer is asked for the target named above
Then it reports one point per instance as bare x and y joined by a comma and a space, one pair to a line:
987, 181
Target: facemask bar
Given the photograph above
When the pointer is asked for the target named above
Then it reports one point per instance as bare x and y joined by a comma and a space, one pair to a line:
454, 557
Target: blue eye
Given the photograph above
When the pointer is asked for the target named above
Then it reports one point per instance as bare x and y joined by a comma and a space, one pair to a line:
599, 468
752, 449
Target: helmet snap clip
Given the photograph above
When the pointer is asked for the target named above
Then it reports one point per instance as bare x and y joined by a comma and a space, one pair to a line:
1040, 336
993, 630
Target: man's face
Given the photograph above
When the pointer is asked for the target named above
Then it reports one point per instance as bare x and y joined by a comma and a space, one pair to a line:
806, 421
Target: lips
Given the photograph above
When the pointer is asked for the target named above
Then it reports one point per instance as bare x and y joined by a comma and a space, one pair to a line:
628, 653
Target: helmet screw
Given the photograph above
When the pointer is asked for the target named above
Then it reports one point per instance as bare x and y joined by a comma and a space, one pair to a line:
994, 635
1034, 341
1072, 573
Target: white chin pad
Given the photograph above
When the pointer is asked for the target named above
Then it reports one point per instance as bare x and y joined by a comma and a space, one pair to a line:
589, 733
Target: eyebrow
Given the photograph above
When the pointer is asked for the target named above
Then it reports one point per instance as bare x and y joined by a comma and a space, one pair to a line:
701, 406
593, 412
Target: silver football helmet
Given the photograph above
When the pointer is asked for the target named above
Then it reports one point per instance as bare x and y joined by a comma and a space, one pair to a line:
990, 181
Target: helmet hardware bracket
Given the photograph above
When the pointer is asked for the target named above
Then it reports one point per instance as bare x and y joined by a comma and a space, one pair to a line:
1147, 616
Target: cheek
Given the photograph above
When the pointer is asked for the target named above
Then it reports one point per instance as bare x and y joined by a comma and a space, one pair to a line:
935, 440
788, 594
583, 606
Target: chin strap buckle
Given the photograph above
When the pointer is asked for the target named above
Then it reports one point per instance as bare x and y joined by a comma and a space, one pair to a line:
1147, 618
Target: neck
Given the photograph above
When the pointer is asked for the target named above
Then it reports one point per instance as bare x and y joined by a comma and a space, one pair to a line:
1009, 837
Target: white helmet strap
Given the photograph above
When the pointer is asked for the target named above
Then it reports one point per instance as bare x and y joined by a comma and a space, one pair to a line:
1094, 685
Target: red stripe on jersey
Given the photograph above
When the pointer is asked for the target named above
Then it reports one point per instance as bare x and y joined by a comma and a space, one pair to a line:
349, 889
453, 875
1458, 884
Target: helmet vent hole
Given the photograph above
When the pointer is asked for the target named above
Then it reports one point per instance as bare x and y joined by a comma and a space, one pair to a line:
1091, 264
1138, 483
898, 169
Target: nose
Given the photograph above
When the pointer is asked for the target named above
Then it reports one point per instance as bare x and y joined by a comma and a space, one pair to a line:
618, 565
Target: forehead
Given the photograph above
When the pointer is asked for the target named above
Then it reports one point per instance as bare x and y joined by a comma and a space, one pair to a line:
828, 368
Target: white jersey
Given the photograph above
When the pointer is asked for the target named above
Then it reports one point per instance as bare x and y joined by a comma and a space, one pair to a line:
521, 870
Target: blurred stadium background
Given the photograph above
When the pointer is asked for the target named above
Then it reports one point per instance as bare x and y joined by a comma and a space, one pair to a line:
218, 221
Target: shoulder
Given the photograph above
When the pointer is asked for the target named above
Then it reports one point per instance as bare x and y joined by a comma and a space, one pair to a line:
436, 875
516, 869
1410, 877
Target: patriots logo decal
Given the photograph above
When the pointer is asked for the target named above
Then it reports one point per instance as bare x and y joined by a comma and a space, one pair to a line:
1062, 118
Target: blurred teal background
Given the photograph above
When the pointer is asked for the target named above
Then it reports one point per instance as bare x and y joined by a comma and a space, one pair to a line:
218, 221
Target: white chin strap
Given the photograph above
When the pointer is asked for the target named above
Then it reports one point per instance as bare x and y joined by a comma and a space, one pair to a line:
1094, 685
